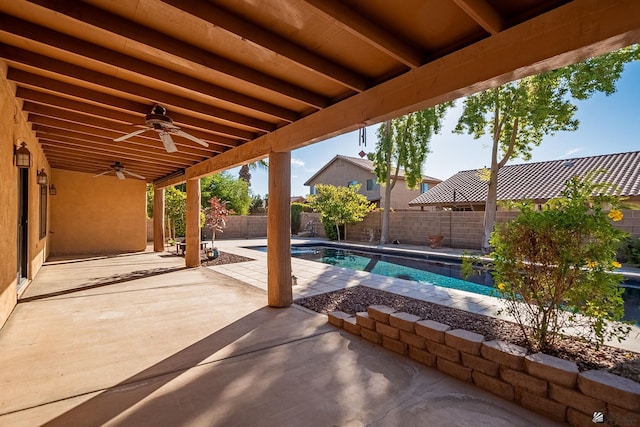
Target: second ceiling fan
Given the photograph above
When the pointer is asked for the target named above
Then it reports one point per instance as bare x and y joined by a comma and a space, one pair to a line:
159, 121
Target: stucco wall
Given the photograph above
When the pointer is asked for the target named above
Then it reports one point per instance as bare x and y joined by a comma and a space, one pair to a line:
341, 172
14, 127
97, 214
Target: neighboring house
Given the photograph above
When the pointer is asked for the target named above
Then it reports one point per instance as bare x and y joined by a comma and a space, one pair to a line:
537, 182
344, 171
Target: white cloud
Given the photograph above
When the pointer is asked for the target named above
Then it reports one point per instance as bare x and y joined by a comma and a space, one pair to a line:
572, 152
297, 162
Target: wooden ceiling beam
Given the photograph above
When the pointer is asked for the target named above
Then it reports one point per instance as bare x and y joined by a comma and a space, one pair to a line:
52, 101
51, 126
483, 13
97, 53
45, 63
555, 41
106, 124
53, 148
53, 122
368, 31
147, 36
244, 29
139, 155
88, 165
36, 83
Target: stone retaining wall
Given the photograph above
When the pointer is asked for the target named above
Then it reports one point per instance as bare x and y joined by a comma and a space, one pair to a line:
545, 384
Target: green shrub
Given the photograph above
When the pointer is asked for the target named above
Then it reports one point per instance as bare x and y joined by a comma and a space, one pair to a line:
629, 252
329, 229
296, 211
554, 267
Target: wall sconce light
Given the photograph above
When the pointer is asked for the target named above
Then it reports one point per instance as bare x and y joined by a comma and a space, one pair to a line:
22, 156
42, 177
52, 190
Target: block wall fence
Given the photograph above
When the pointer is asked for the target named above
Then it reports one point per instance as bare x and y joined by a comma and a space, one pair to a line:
545, 384
459, 229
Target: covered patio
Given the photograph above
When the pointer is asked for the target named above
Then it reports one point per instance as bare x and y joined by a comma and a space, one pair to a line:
108, 96
138, 339
164, 92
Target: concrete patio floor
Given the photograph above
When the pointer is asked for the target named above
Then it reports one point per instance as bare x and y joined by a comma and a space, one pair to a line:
140, 340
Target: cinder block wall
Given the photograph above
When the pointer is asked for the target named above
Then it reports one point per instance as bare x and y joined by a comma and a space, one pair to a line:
545, 384
244, 227
460, 229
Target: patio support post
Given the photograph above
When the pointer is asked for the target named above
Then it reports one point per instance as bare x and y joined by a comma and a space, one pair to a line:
158, 219
279, 289
192, 254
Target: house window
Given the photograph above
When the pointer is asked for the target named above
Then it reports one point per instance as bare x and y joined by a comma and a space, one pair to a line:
350, 183
424, 187
44, 192
312, 190
372, 185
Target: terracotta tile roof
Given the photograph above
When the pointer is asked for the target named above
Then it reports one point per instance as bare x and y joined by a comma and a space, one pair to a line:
538, 181
364, 164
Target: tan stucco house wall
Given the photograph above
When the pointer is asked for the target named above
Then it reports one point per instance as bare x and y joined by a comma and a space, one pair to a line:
97, 214
87, 215
14, 128
342, 172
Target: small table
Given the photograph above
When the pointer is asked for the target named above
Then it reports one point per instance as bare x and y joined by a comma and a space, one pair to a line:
182, 246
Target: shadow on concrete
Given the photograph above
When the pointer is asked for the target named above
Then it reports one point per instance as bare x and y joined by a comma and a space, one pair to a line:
107, 281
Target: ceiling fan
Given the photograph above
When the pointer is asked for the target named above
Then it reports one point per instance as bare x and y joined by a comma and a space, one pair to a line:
159, 121
120, 170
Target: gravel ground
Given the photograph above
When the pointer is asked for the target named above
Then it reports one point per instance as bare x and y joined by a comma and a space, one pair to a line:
620, 362
223, 258
357, 299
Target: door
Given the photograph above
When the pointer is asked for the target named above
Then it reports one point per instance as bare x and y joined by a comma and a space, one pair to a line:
23, 229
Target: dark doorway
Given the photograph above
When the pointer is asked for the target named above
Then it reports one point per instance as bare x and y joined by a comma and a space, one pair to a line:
23, 229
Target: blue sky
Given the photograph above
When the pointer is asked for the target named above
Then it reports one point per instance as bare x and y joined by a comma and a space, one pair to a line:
608, 124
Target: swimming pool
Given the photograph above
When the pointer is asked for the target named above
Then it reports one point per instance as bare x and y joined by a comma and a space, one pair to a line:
427, 269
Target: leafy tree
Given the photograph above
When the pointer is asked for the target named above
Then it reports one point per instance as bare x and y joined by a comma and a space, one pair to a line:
245, 170
403, 143
518, 115
296, 213
233, 191
340, 205
554, 267
175, 210
257, 205
149, 201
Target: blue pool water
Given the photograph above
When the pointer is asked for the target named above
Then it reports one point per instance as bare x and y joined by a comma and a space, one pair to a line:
427, 270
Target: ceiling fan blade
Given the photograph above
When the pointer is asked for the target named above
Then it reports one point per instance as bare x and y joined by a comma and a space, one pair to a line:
120, 175
133, 174
100, 174
191, 137
129, 135
169, 145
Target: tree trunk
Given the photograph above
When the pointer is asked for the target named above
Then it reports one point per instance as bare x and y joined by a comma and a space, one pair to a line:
338, 231
492, 192
490, 212
384, 233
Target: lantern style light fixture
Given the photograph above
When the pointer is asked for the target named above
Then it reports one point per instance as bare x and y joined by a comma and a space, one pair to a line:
22, 156
52, 190
42, 177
